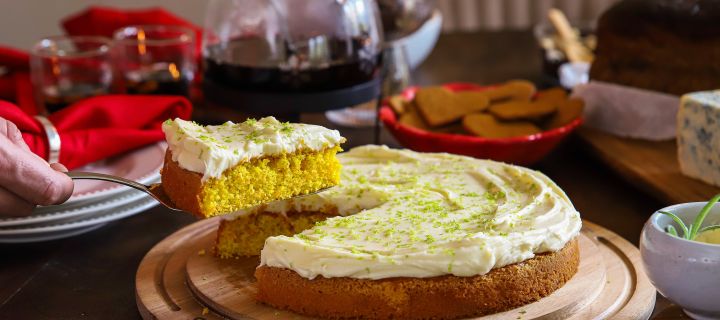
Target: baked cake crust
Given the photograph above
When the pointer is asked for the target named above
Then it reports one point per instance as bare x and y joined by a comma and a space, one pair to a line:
182, 186
443, 297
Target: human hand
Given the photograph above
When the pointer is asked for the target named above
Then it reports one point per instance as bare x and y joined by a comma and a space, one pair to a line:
26, 180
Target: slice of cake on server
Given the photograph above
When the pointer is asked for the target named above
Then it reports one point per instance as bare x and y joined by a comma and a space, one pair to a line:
698, 136
212, 170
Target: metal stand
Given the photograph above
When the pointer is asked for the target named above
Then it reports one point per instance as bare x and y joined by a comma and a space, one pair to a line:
289, 104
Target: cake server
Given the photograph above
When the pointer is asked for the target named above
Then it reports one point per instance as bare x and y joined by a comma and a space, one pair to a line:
154, 190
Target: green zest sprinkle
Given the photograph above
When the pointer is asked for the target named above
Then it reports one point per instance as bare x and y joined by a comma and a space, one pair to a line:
690, 233
429, 239
286, 128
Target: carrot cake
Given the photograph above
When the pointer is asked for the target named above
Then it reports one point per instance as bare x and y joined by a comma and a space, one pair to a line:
212, 170
411, 235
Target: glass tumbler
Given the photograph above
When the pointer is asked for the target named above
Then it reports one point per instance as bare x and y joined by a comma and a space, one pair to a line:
67, 69
155, 59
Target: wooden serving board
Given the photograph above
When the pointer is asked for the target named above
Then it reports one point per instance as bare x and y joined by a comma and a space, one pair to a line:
181, 279
650, 165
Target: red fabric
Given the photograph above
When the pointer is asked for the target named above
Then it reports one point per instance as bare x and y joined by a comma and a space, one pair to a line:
103, 21
14, 59
15, 82
100, 127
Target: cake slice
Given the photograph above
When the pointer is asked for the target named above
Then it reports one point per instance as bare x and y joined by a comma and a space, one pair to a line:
212, 170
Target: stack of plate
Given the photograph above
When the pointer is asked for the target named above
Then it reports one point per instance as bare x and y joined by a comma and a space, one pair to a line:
93, 203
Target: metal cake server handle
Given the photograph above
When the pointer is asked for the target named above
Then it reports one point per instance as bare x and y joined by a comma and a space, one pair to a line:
155, 190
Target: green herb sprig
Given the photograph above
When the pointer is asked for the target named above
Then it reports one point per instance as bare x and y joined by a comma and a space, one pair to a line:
690, 233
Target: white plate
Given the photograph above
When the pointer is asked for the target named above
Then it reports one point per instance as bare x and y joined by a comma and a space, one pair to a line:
102, 217
45, 210
73, 212
142, 165
419, 44
49, 236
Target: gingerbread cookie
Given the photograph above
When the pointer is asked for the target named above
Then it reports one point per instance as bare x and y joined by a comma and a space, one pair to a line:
439, 106
398, 104
522, 110
567, 111
485, 125
515, 90
412, 118
556, 95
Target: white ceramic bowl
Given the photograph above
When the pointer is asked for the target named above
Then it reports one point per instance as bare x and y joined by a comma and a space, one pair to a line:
686, 272
420, 43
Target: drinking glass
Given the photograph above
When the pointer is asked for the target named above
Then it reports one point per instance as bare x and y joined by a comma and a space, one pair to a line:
396, 69
66, 69
155, 59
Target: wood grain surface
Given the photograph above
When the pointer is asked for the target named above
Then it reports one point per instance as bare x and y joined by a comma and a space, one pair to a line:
650, 165
609, 282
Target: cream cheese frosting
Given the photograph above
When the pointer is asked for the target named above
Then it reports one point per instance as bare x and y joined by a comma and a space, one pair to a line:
210, 150
409, 214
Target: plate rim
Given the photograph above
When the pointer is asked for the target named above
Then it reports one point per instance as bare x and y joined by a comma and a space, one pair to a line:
122, 212
106, 192
91, 208
61, 235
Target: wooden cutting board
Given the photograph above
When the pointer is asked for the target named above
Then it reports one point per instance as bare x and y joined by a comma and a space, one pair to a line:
650, 165
181, 279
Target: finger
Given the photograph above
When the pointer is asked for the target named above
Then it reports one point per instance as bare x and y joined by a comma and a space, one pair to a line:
59, 167
30, 177
11, 131
12, 205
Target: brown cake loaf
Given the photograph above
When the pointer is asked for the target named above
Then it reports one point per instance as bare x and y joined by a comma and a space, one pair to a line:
669, 46
444, 297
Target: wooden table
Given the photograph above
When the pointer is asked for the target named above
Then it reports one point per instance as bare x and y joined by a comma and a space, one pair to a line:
92, 276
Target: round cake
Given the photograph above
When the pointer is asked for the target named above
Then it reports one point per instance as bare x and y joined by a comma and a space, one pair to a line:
417, 235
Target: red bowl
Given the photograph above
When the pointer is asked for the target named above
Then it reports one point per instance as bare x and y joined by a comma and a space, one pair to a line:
523, 150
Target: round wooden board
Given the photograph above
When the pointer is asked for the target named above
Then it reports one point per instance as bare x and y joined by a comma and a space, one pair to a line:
181, 279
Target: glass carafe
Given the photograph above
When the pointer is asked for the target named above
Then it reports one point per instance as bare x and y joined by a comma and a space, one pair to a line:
291, 46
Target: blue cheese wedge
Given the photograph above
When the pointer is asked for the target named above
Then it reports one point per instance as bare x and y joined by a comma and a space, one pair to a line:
698, 136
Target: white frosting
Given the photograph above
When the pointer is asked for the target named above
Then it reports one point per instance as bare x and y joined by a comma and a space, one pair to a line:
210, 150
409, 214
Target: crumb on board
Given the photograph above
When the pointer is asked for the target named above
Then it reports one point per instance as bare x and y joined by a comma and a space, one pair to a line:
201, 252
205, 311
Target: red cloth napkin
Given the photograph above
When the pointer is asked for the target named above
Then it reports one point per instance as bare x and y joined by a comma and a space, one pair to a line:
100, 127
15, 81
103, 21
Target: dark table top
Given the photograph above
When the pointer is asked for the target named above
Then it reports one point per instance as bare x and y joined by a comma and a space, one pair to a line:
92, 276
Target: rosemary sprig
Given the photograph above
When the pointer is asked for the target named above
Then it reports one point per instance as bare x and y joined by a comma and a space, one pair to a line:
692, 232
